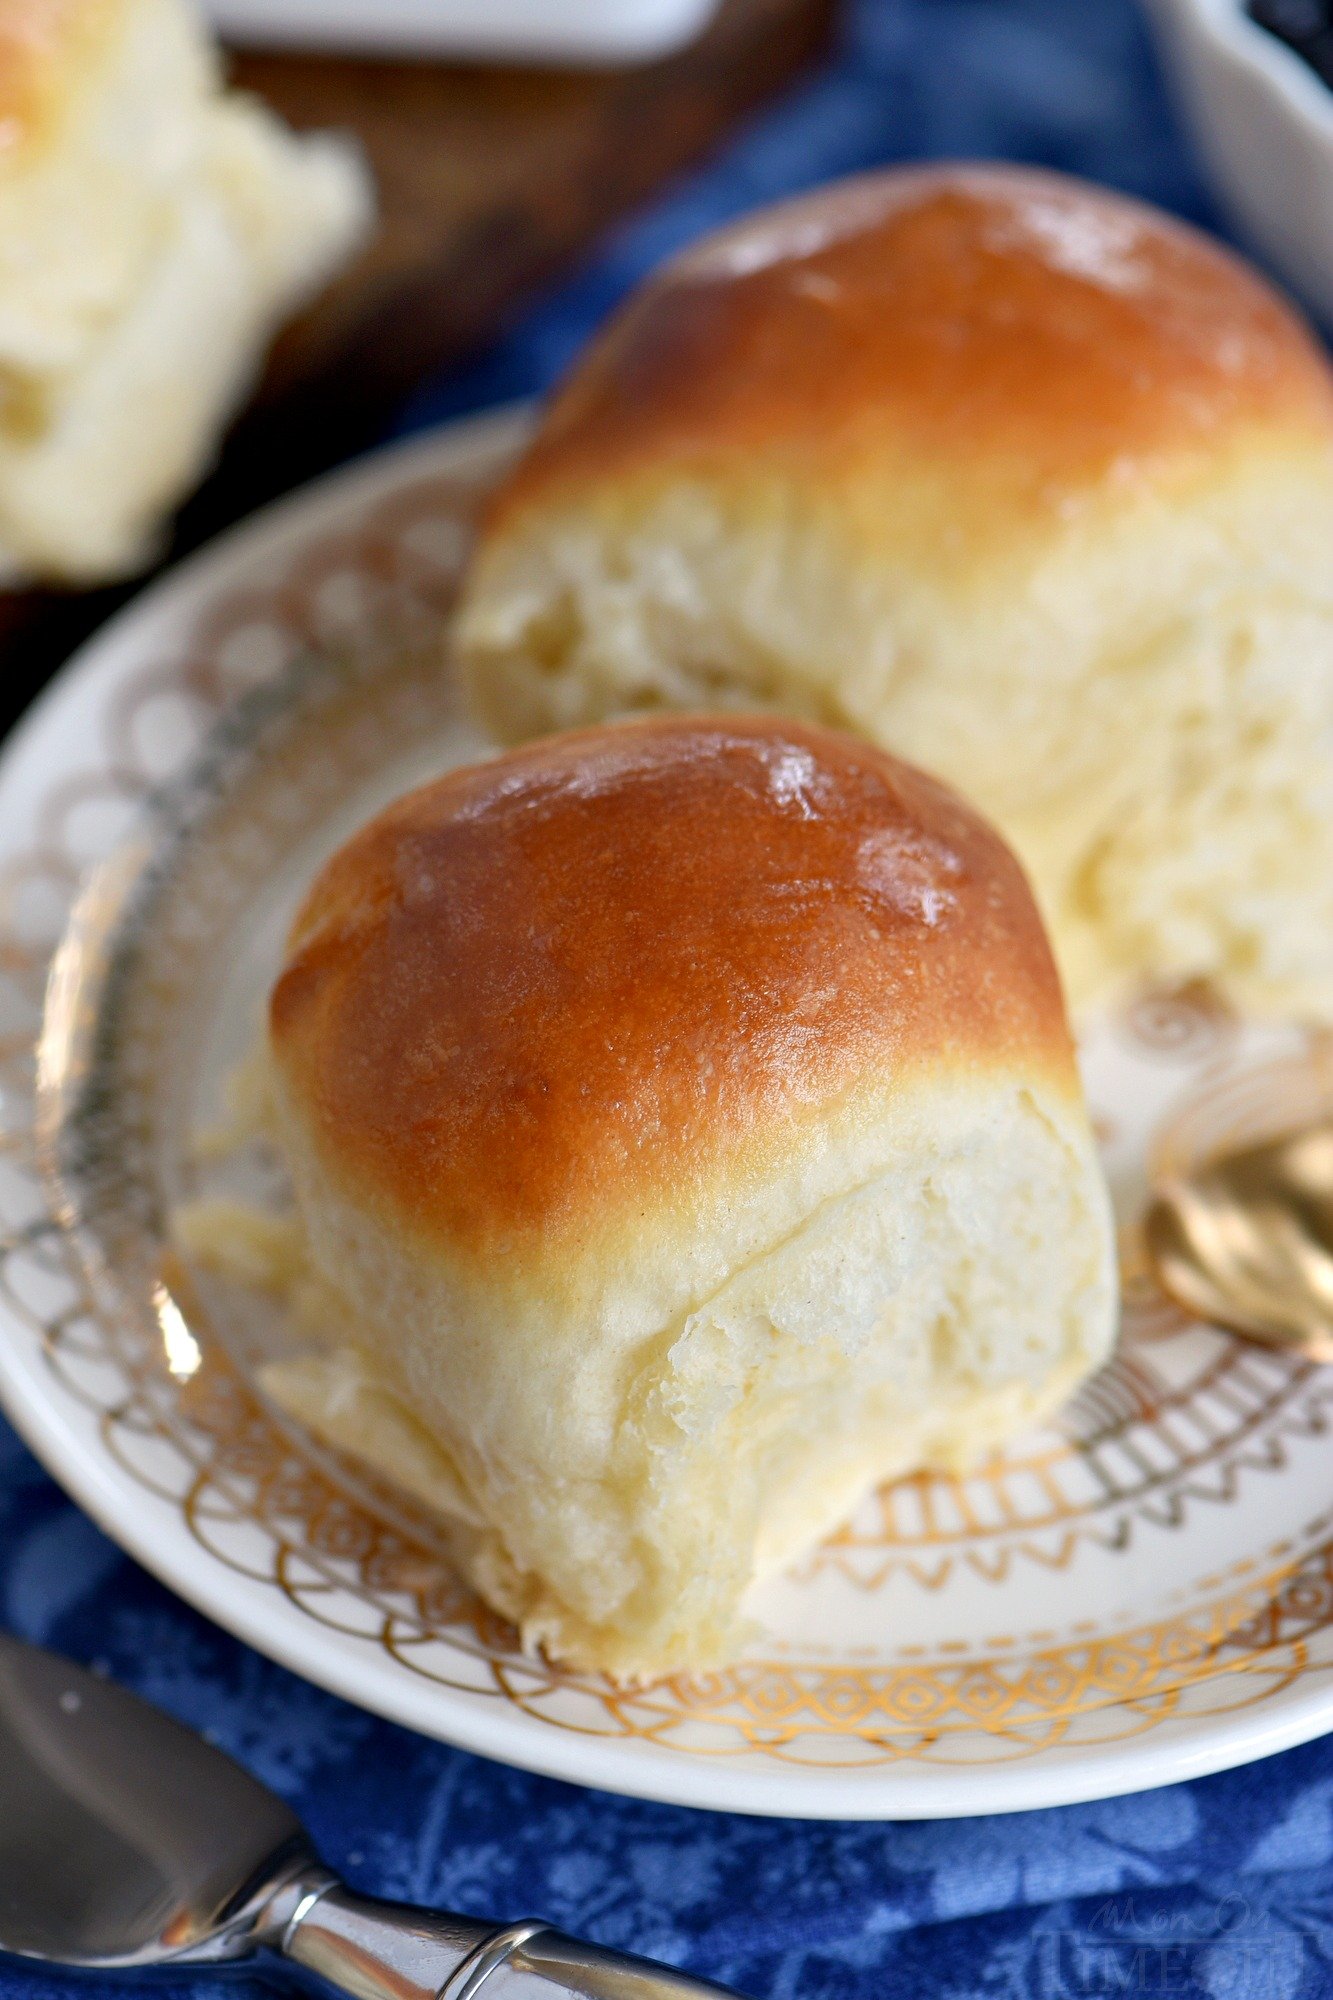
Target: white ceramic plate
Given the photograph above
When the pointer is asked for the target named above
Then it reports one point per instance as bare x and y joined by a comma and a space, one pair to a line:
1142, 1594
560, 31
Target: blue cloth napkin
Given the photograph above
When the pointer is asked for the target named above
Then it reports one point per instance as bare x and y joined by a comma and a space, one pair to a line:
1221, 1888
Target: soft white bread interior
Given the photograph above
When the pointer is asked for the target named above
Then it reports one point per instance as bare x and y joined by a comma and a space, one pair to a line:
1025, 481
154, 230
685, 1125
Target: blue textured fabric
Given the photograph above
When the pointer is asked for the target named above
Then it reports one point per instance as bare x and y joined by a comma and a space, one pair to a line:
1221, 1888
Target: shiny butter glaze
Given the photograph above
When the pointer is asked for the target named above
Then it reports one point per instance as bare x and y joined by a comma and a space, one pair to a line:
599, 966
1019, 326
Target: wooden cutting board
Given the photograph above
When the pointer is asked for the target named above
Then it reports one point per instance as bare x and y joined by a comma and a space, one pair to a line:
491, 183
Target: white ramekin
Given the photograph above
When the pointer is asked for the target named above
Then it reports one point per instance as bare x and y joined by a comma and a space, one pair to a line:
1263, 120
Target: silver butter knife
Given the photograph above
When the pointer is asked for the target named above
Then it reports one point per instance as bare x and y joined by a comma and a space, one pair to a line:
127, 1842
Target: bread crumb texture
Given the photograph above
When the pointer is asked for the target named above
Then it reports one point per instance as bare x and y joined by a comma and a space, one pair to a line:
155, 229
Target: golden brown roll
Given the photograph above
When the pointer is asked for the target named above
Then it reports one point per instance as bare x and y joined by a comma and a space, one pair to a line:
684, 1117
1019, 478
154, 230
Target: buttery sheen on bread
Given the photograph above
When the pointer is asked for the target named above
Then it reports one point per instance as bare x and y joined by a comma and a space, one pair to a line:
684, 1116
1024, 481
154, 230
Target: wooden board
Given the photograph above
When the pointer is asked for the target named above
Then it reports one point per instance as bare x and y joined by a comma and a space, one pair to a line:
491, 183
491, 180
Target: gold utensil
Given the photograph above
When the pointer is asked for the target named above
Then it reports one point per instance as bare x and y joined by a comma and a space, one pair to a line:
1246, 1240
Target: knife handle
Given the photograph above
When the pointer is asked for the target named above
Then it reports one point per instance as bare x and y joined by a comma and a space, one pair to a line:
373, 1950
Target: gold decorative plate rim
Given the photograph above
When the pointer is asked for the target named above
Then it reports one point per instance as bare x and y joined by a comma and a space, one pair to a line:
1030, 1718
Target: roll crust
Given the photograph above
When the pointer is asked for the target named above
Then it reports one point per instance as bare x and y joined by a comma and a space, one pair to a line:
591, 974
1035, 335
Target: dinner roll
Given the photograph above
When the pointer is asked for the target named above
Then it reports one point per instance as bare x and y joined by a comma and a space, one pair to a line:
684, 1114
153, 231
1021, 479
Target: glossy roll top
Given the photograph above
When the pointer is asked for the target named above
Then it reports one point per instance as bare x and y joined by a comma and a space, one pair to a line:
1034, 335
607, 969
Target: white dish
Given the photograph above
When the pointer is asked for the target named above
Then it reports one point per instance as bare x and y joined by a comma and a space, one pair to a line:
1145, 1595
561, 31
1263, 120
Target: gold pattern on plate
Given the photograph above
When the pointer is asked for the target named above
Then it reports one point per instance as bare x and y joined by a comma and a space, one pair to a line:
1148, 1440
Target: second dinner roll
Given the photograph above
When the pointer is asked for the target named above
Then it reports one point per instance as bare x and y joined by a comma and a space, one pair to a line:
155, 230
684, 1115
1023, 480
